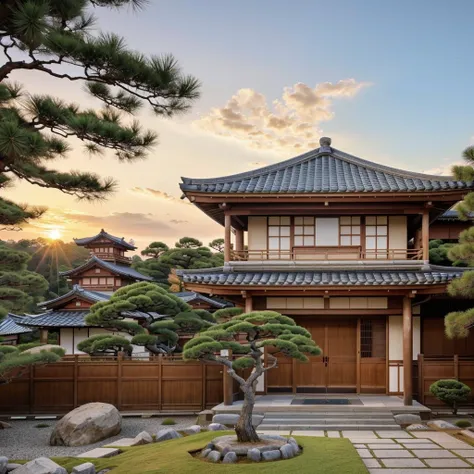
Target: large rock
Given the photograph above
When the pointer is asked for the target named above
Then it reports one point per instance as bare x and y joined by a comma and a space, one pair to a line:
217, 427
4, 425
231, 419
292, 441
87, 424
3, 464
214, 456
444, 425
254, 454
204, 417
404, 419
142, 438
195, 429
40, 466
11, 466
166, 434
273, 455
287, 451
230, 458
86, 468
417, 427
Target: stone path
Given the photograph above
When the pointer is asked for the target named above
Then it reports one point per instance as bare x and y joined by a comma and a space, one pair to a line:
400, 452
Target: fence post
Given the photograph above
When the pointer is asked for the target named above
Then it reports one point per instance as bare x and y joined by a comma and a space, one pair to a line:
456, 366
421, 382
160, 382
31, 387
204, 385
75, 381
119, 380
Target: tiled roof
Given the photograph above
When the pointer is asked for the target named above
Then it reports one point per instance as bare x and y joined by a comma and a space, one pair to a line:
65, 319
188, 296
102, 234
113, 267
323, 170
9, 327
77, 290
318, 278
451, 215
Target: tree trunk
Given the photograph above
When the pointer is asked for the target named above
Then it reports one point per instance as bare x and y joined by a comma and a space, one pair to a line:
244, 429
455, 408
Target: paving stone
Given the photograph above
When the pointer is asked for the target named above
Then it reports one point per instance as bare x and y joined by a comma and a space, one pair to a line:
424, 471
454, 445
464, 453
422, 446
317, 433
124, 442
364, 453
358, 434
432, 453
360, 446
447, 463
402, 462
99, 453
435, 436
371, 462
414, 441
372, 441
334, 434
384, 446
394, 434
392, 453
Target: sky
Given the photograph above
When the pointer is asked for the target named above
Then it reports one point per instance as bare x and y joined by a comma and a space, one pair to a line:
388, 81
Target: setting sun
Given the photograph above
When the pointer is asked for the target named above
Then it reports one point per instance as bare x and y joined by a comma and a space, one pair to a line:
54, 234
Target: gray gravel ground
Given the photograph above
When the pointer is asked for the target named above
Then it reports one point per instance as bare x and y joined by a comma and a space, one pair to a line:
24, 441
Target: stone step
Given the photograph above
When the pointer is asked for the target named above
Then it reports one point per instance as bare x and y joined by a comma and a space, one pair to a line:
318, 416
330, 427
325, 421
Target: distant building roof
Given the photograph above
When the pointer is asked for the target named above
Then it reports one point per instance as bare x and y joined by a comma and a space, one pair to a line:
123, 270
77, 290
65, 319
10, 327
323, 170
102, 234
451, 215
189, 296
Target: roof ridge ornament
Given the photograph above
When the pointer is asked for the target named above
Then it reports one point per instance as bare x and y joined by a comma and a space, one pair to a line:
325, 145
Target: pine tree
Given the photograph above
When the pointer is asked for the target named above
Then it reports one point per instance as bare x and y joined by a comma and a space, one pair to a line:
247, 335
155, 250
56, 38
164, 317
457, 323
217, 244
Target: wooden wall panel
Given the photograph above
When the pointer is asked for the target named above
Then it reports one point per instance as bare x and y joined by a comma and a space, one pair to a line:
373, 375
97, 391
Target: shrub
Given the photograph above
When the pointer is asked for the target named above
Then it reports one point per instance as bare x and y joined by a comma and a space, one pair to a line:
451, 392
168, 422
42, 425
463, 424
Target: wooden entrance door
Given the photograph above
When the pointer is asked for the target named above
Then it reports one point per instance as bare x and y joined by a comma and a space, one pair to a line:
335, 370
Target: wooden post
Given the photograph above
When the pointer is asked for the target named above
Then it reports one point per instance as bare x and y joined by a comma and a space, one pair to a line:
456, 367
227, 238
228, 384
425, 234
44, 336
358, 355
76, 375
204, 385
119, 380
239, 240
407, 352
421, 382
160, 381
248, 303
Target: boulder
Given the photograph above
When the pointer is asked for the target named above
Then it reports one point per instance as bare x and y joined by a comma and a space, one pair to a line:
254, 454
166, 434
142, 438
204, 417
444, 425
272, 455
4, 425
231, 419
205, 452
217, 427
230, 458
40, 466
293, 443
3, 464
87, 424
287, 451
86, 468
468, 433
417, 427
214, 456
404, 419
11, 466
195, 429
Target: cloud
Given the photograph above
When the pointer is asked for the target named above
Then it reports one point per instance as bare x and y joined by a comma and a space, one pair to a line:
178, 221
443, 170
157, 194
290, 123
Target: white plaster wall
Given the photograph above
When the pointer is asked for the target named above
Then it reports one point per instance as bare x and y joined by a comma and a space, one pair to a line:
397, 235
65, 340
327, 231
257, 234
79, 335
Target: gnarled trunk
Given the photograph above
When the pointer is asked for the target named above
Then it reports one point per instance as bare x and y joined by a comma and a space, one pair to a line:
244, 429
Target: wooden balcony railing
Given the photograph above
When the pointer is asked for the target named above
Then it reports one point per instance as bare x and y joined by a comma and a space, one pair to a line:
112, 256
327, 253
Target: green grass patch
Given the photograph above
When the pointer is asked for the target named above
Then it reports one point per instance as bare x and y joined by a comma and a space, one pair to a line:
168, 422
320, 456
42, 425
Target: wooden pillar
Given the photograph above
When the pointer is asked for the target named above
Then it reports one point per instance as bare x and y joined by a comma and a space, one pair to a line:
239, 240
44, 336
407, 352
425, 234
228, 384
227, 238
248, 303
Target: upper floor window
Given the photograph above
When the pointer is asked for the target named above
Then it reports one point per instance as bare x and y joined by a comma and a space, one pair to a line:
349, 230
376, 235
279, 233
304, 231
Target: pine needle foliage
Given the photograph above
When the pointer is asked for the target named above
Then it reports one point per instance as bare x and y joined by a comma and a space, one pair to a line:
59, 38
162, 316
247, 335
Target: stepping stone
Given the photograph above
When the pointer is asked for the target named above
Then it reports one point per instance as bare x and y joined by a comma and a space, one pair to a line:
364, 453
372, 441
358, 434
447, 463
464, 453
394, 434
334, 434
360, 446
121, 443
424, 471
307, 433
99, 453
432, 453
421, 446
384, 446
402, 462
392, 453
433, 435
371, 462
408, 442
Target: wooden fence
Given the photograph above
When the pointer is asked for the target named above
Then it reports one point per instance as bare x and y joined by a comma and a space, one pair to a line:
159, 383
431, 369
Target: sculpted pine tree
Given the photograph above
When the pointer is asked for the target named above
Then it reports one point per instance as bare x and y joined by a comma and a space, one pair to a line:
57, 38
246, 335
457, 323
161, 318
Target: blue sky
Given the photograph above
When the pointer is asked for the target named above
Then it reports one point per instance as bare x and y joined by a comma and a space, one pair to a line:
411, 103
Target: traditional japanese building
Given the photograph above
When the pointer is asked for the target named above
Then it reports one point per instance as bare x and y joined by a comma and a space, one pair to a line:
341, 245
10, 330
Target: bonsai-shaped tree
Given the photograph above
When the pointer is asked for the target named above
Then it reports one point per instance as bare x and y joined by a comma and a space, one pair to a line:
451, 392
246, 335
106, 344
160, 319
